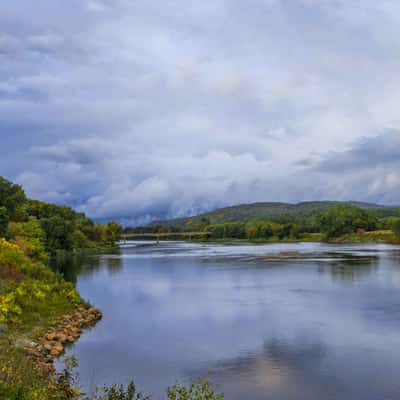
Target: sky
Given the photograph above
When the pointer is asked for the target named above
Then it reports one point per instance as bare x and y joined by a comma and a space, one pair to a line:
142, 110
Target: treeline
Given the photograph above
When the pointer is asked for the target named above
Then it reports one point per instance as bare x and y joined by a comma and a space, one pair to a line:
39, 228
335, 221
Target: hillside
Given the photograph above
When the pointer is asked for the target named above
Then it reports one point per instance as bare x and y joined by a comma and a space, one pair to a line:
272, 211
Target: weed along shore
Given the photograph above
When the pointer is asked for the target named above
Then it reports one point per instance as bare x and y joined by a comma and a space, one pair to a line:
66, 330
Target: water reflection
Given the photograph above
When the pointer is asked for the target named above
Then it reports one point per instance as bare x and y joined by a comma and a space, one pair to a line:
349, 268
323, 324
71, 265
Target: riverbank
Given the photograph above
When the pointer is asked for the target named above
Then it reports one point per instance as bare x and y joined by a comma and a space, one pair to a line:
64, 332
379, 236
40, 315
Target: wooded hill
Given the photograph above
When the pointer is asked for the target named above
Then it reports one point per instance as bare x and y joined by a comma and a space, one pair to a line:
277, 212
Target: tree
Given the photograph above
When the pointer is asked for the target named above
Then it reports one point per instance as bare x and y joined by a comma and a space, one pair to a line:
58, 233
342, 219
396, 228
113, 232
30, 237
3, 221
12, 197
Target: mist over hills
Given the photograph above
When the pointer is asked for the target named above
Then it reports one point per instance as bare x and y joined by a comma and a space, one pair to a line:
272, 211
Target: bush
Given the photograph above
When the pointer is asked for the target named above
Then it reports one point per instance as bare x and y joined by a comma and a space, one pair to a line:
3, 221
30, 237
118, 392
396, 228
11, 255
343, 219
200, 389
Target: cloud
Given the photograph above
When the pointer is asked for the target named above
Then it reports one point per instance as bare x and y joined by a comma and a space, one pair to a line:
366, 153
138, 110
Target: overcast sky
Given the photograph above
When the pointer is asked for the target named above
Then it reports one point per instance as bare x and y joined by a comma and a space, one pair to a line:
141, 109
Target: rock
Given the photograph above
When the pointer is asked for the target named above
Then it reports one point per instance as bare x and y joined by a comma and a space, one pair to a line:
62, 337
51, 336
56, 350
47, 346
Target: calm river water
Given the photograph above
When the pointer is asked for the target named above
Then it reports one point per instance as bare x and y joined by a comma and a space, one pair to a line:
323, 325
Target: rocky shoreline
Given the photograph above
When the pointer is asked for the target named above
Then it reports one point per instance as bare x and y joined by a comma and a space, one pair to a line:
66, 330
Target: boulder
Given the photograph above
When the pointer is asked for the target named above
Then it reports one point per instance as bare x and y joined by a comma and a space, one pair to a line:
47, 346
56, 350
62, 337
51, 336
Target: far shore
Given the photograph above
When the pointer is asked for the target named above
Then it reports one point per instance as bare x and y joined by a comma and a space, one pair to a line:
381, 236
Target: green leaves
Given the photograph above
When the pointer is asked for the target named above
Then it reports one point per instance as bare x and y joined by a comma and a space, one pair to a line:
3, 221
396, 228
342, 219
12, 198
201, 389
119, 392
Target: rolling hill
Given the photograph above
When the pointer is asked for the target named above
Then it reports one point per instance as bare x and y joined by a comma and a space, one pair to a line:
271, 211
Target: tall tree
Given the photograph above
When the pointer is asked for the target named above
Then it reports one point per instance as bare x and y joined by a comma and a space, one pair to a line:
3, 221
13, 198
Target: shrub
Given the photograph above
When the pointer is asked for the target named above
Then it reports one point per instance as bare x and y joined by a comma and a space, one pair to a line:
201, 389
396, 228
26, 294
118, 392
11, 255
3, 221
30, 237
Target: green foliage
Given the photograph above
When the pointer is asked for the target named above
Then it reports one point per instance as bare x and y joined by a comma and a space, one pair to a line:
11, 255
260, 229
333, 220
32, 296
119, 392
343, 219
58, 233
12, 198
302, 214
200, 389
113, 232
39, 227
228, 230
20, 381
80, 240
24, 296
4, 218
29, 237
396, 228
40, 289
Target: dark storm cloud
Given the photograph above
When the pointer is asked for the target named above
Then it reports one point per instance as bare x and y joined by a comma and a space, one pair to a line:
366, 153
141, 110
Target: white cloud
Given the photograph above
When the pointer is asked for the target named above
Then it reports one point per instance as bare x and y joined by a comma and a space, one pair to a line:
166, 108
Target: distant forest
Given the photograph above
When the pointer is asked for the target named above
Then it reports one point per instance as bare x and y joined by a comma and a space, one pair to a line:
280, 221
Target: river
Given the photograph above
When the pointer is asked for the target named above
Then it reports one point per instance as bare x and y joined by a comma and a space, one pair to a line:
321, 322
